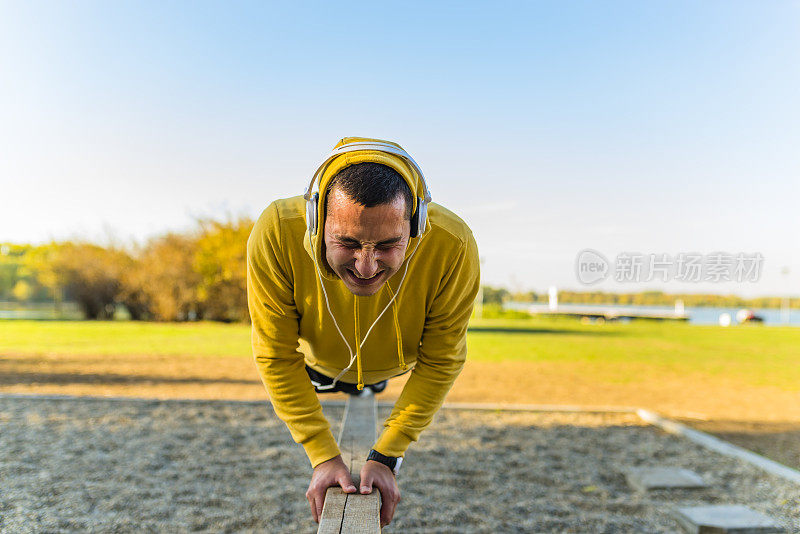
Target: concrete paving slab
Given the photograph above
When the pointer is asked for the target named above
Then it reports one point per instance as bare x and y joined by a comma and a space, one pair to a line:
651, 478
724, 519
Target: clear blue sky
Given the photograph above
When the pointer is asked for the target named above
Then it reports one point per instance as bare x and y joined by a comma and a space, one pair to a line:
549, 127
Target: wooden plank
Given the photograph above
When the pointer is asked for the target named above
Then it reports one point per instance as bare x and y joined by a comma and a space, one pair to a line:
332, 511
362, 514
354, 513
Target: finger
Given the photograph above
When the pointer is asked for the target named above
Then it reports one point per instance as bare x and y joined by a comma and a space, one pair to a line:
387, 509
346, 483
313, 508
366, 483
319, 501
389, 501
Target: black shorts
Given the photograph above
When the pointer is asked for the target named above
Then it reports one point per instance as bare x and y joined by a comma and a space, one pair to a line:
318, 379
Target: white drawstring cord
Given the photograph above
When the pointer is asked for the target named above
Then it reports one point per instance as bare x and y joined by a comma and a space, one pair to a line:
336, 324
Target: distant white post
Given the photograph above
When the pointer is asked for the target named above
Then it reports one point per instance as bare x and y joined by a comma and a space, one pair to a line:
679, 307
552, 293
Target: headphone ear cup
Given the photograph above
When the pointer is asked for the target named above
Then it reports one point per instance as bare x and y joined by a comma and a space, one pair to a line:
423, 215
414, 223
311, 214
419, 218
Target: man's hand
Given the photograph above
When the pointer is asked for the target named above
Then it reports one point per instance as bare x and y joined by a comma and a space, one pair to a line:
327, 474
376, 474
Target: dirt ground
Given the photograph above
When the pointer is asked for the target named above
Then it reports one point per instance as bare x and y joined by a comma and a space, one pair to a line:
81, 464
764, 419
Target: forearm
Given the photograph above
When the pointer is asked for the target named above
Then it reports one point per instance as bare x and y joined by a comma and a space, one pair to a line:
296, 404
422, 396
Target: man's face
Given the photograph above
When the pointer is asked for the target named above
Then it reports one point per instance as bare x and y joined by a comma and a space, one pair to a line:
365, 246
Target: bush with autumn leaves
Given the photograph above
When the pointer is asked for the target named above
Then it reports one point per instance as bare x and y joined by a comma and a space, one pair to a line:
198, 275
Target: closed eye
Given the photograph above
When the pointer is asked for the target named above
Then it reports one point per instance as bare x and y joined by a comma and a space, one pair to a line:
383, 245
350, 244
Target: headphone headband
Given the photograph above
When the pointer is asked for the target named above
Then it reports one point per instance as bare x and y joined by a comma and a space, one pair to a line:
363, 145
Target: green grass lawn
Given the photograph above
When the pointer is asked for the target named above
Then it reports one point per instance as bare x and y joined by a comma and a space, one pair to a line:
757, 355
124, 338
753, 355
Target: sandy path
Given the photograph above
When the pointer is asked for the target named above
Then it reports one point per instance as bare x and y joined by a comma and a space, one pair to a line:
764, 419
124, 466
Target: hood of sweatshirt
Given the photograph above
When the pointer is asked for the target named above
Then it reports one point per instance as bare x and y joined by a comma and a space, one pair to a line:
315, 245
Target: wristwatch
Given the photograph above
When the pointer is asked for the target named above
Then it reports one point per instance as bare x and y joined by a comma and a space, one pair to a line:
389, 461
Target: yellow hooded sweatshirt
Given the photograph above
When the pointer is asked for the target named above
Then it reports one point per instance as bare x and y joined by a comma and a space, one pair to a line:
425, 330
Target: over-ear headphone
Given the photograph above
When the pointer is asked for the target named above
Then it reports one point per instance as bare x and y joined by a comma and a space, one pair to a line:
418, 219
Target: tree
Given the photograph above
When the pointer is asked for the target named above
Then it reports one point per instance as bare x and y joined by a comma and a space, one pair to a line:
220, 260
164, 278
41, 262
493, 295
89, 274
133, 287
22, 291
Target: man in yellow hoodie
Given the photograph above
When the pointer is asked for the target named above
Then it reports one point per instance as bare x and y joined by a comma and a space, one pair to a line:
323, 271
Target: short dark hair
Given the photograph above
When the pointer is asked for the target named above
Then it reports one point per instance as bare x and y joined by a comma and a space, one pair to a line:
372, 184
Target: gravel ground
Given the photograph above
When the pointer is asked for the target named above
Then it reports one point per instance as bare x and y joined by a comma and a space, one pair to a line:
89, 465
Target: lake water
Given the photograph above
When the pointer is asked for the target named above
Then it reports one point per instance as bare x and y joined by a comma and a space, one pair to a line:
772, 317
39, 310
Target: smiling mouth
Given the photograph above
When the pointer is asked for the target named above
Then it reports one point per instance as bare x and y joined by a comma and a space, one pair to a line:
363, 281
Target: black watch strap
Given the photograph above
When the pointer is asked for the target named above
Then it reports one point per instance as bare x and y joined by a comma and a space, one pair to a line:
391, 462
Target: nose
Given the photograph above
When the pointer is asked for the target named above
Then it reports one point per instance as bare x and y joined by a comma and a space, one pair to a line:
366, 263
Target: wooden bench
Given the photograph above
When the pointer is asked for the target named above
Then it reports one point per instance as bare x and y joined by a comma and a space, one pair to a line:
354, 513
